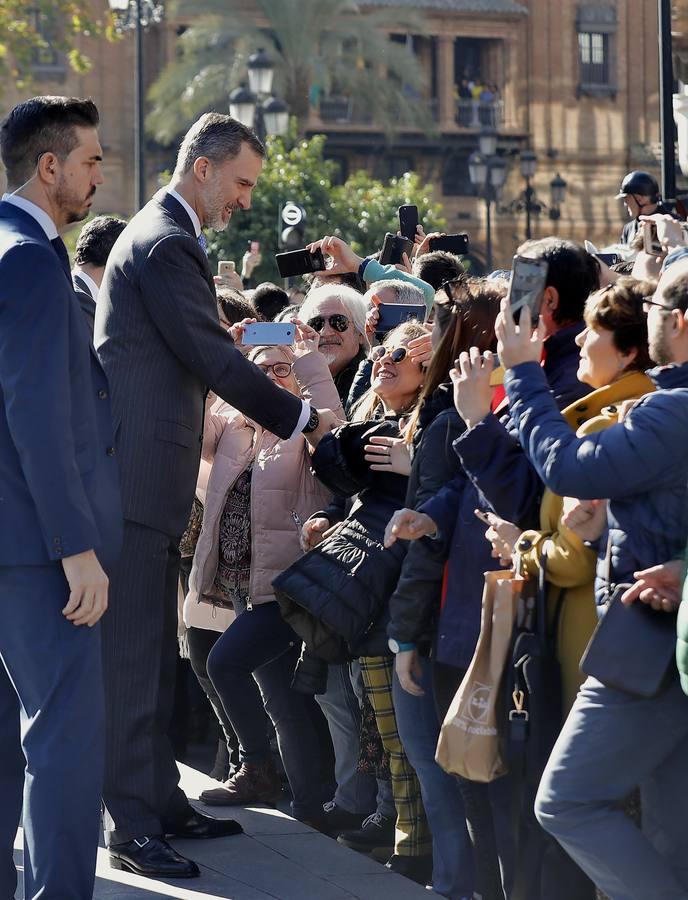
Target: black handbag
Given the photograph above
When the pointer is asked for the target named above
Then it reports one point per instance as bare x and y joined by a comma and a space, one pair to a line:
632, 648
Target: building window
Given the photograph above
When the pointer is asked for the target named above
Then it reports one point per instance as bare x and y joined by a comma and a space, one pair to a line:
46, 59
596, 25
594, 58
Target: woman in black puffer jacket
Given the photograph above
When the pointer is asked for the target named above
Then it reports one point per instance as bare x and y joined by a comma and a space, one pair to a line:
336, 597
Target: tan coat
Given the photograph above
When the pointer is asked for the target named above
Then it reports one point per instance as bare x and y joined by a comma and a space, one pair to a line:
570, 564
284, 493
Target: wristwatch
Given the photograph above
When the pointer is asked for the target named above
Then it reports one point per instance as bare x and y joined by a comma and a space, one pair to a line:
312, 423
399, 646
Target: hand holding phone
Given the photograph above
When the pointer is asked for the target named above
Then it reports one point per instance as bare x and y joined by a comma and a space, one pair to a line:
299, 262
393, 249
393, 314
527, 286
408, 221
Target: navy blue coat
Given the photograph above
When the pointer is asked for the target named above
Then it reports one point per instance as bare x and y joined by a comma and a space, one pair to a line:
640, 465
59, 486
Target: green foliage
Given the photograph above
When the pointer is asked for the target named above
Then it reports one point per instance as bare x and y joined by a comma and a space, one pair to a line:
29, 30
359, 211
318, 46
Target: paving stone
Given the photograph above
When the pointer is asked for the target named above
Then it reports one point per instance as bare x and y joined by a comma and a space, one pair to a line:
382, 886
321, 854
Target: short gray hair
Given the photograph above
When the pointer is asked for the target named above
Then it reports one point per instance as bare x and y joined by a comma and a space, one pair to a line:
354, 303
403, 291
218, 138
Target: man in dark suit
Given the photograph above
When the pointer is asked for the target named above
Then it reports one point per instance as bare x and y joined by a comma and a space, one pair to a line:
162, 346
60, 511
96, 240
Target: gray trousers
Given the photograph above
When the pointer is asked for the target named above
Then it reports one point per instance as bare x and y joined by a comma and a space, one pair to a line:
611, 743
142, 793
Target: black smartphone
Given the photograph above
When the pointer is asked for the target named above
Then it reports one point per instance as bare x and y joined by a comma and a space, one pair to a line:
393, 314
452, 243
527, 286
299, 262
408, 221
609, 259
393, 248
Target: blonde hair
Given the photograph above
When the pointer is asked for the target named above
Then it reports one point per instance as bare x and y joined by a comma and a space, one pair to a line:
368, 405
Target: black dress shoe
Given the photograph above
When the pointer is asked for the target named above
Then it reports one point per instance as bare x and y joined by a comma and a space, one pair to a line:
152, 857
196, 825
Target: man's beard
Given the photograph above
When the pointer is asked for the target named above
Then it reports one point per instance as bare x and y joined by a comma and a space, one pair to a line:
74, 207
214, 209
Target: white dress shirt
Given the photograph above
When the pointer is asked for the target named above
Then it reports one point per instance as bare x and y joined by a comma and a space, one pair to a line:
93, 288
40, 215
306, 410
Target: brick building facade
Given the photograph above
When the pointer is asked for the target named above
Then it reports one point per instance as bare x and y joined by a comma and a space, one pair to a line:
577, 83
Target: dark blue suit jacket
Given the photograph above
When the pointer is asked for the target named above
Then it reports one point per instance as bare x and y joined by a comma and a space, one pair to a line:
59, 485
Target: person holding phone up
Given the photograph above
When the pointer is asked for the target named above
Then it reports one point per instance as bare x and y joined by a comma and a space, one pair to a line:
260, 490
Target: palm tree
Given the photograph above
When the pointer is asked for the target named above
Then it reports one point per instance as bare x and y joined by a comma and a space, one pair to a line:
317, 45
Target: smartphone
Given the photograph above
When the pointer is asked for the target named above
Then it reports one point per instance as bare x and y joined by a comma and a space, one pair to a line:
254, 246
452, 243
298, 262
226, 267
609, 259
408, 221
393, 248
393, 314
268, 334
527, 285
651, 242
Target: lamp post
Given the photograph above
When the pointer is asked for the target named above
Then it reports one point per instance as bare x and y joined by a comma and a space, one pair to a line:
528, 164
253, 104
487, 173
135, 15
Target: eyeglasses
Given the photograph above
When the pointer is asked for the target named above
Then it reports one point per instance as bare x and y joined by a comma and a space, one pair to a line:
648, 302
397, 355
338, 322
279, 370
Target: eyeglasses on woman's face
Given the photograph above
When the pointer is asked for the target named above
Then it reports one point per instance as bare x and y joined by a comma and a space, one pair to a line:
397, 355
279, 369
337, 321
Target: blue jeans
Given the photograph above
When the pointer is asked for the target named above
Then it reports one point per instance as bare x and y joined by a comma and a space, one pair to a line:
419, 728
356, 792
610, 743
256, 655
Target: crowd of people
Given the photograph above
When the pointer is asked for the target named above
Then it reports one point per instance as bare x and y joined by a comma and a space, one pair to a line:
321, 524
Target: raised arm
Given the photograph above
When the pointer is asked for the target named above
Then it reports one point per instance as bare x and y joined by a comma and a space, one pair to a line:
183, 306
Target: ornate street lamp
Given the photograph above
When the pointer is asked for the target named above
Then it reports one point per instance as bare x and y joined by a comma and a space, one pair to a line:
487, 174
135, 15
557, 190
252, 103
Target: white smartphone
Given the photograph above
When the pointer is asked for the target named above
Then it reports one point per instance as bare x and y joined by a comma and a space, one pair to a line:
268, 334
226, 267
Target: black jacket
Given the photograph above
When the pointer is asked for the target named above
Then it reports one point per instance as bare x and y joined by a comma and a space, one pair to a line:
336, 596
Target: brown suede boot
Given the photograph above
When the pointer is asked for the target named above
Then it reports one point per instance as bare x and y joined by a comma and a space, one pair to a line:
253, 783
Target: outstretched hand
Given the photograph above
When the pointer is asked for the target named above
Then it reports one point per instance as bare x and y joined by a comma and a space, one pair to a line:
342, 257
472, 390
408, 525
518, 343
388, 454
660, 586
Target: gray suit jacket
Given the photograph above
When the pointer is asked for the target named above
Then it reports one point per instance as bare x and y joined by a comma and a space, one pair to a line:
86, 301
161, 344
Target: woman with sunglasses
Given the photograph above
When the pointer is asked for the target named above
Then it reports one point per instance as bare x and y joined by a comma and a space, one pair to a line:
336, 596
260, 490
429, 624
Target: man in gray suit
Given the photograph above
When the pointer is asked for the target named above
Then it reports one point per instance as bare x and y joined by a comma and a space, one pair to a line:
158, 335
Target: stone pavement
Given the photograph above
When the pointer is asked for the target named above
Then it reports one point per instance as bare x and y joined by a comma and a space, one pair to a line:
277, 858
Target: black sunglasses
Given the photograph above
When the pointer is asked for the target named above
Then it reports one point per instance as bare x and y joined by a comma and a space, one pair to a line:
338, 322
397, 355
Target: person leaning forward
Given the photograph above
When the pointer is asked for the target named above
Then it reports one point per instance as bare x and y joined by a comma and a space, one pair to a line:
60, 511
159, 338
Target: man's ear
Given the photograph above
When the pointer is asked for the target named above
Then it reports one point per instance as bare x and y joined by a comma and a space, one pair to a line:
551, 298
201, 168
47, 166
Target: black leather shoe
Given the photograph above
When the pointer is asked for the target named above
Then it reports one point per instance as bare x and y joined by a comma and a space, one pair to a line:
199, 826
152, 857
